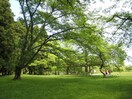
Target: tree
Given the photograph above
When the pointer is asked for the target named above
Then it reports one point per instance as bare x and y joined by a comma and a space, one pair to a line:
70, 58
53, 19
94, 47
6, 41
110, 55
118, 21
119, 18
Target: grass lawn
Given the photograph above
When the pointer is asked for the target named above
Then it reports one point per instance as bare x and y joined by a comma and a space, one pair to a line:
67, 87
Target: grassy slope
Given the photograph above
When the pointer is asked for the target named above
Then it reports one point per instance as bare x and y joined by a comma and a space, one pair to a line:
66, 87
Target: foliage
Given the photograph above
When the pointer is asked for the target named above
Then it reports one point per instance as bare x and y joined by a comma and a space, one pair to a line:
6, 40
128, 68
53, 19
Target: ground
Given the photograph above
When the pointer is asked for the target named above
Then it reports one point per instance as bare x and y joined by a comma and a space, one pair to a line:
118, 86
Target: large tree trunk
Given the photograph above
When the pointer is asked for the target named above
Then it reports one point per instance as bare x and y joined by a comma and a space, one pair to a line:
17, 73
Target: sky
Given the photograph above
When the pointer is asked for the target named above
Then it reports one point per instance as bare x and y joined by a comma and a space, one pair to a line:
15, 7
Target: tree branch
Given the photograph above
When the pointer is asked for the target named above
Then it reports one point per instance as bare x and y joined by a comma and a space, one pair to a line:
47, 39
119, 27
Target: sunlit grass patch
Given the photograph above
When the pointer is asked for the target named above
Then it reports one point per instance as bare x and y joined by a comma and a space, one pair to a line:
123, 73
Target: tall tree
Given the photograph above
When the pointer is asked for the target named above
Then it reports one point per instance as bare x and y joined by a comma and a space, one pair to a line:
52, 17
6, 41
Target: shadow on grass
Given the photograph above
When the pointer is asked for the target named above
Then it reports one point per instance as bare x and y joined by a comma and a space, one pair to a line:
126, 92
100, 76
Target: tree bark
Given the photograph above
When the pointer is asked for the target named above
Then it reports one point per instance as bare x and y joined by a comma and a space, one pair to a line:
102, 72
17, 73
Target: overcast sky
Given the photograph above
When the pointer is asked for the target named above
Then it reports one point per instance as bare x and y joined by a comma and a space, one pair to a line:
15, 8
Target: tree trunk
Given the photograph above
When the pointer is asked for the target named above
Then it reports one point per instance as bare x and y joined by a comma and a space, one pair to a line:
86, 69
102, 64
102, 71
67, 70
89, 69
55, 72
2, 71
17, 73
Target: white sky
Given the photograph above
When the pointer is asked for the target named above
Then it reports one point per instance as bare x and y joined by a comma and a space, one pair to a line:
16, 10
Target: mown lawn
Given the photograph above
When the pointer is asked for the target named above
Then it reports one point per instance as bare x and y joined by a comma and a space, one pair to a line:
66, 87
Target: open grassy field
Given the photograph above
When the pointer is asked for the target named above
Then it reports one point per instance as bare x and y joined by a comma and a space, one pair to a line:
67, 87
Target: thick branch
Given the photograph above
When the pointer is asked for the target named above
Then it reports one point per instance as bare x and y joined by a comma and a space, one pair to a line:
31, 18
23, 12
26, 24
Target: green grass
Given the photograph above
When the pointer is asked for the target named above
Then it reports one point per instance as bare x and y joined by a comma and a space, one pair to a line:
67, 87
